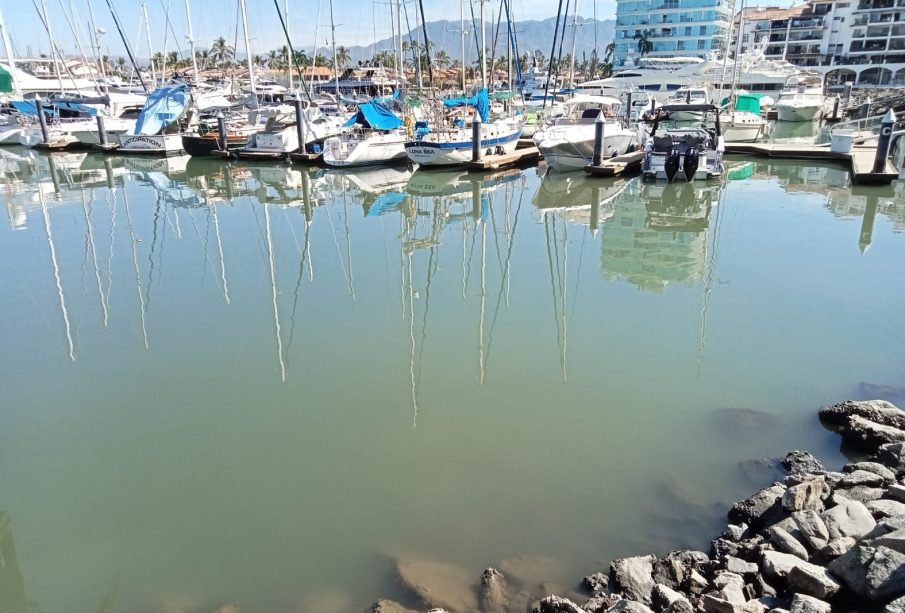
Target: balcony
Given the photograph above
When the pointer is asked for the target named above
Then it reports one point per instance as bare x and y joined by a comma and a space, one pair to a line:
871, 46
877, 5
777, 38
807, 23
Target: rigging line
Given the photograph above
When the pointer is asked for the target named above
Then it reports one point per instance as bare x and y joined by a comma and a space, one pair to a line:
295, 60
273, 286
552, 284
153, 249
297, 291
503, 284
112, 243
552, 52
412, 341
216, 217
126, 44
339, 254
427, 47
134, 241
562, 38
584, 240
432, 267
87, 207
56, 274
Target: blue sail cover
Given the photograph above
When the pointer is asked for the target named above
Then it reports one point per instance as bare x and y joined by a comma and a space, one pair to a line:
28, 107
163, 107
75, 107
386, 203
480, 102
376, 116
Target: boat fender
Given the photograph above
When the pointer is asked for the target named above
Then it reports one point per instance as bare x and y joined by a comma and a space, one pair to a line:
671, 164
690, 163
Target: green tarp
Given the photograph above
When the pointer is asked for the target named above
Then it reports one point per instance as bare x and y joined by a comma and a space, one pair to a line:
6, 81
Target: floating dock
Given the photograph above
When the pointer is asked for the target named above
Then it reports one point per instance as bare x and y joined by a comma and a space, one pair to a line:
860, 159
627, 163
522, 155
312, 159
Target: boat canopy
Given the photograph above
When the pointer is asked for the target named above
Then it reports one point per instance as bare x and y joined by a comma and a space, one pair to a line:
375, 115
163, 107
75, 107
703, 108
747, 102
28, 107
480, 102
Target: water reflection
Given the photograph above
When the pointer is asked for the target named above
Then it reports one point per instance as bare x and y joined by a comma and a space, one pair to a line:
12, 583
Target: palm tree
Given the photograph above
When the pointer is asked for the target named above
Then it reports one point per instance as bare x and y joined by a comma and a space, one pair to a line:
173, 59
441, 59
342, 56
202, 58
157, 61
121, 64
644, 44
610, 52
221, 52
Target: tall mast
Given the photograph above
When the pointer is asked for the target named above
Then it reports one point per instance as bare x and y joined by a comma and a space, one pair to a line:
335, 64
10, 56
53, 45
97, 55
251, 69
289, 63
399, 29
462, 33
574, 36
188, 18
483, 48
738, 48
144, 8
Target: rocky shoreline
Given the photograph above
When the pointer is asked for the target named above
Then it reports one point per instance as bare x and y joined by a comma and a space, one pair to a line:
816, 541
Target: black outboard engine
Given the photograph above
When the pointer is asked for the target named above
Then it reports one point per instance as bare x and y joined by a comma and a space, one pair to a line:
690, 163
671, 164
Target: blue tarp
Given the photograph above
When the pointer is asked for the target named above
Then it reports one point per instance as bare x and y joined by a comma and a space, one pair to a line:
76, 107
27, 107
386, 203
480, 102
163, 107
375, 115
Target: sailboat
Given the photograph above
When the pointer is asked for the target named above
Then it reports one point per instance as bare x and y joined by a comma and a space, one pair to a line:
447, 146
373, 136
158, 129
743, 124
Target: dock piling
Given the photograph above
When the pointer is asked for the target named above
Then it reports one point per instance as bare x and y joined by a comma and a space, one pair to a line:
221, 132
836, 108
885, 141
848, 93
865, 109
628, 106
598, 140
476, 139
39, 106
299, 124
101, 131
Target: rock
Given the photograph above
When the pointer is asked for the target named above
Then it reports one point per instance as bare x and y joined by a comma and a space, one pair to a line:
680, 606
777, 565
896, 492
696, 583
812, 528
861, 477
596, 583
873, 467
734, 532
801, 462
663, 596
753, 606
837, 547
388, 606
896, 606
494, 596
886, 508
740, 567
722, 548
596, 604
629, 606
813, 581
676, 566
764, 589
808, 604
634, 577
809, 494
752, 510
877, 411
893, 540
892, 456
554, 604
531, 571
859, 493
437, 584
785, 542
885, 526
731, 587
866, 434
848, 518
711, 603
872, 573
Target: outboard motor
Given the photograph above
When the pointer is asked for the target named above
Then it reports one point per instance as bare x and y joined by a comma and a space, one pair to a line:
671, 164
690, 163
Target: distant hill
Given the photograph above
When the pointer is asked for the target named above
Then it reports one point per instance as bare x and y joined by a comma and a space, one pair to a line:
532, 36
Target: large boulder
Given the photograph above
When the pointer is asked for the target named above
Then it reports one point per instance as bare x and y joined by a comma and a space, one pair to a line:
787, 543
808, 604
663, 597
494, 595
877, 411
758, 508
777, 565
892, 455
866, 434
876, 574
812, 528
813, 580
437, 584
634, 577
886, 508
873, 467
629, 606
848, 518
675, 568
801, 463
808, 494
894, 540
896, 606
596, 583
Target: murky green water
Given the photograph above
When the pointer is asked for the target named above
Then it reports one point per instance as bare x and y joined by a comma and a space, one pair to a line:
257, 385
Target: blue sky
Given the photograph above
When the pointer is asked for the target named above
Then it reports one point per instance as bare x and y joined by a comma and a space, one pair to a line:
359, 22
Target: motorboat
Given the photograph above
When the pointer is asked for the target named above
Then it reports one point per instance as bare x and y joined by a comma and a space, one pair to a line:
453, 145
801, 99
18, 118
158, 129
280, 135
567, 143
743, 124
693, 153
374, 135
686, 96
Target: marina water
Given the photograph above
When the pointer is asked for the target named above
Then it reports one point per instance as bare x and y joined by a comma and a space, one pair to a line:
262, 385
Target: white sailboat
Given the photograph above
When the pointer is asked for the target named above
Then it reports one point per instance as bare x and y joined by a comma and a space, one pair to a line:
158, 129
373, 136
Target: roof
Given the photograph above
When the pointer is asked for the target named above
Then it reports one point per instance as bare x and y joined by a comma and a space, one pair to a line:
762, 13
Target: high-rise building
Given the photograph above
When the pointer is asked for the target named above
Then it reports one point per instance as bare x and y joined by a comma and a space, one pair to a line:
670, 28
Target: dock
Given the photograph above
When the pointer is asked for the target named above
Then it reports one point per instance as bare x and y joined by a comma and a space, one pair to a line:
860, 159
311, 159
627, 163
522, 155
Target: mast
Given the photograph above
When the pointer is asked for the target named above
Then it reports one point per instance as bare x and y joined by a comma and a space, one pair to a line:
399, 29
251, 69
738, 47
53, 45
462, 33
483, 48
144, 8
335, 64
289, 63
574, 36
126, 44
97, 55
10, 56
191, 37
78, 43
726, 50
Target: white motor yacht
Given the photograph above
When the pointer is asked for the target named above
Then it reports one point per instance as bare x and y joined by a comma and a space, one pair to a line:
801, 99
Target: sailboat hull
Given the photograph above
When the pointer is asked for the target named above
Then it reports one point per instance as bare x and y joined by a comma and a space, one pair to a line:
458, 149
142, 144
372, 150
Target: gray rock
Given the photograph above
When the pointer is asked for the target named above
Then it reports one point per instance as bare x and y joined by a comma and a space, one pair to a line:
777, 565
754, 606
896, 606
892, 456
596, 604
722, 548
596, 583
848, 518
813, 581
731, 587
494, 595
859, 493
893, 540
740, 567
861, 477
634, 577
867, 434
554, 604
388, 606
762, 588
812, 528
801, 462
896, 492
872, 573
437, 584
808, 494
779, 610
785, 542
808, 604
663, 596
711, 603
886, 508
696, 583
675, 567
734, 532
877, 411
873, 467
885, 526
629, 606
753, 509
837, 547
680, 606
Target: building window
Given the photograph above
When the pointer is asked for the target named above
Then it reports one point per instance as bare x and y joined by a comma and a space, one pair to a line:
702, 30
701, 44
744, 38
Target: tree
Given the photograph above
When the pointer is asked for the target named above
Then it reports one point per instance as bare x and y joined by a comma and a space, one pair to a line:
441, 59
644, 44
221, 52
342, 56
609, 52
157, 61
173, 59
121, 64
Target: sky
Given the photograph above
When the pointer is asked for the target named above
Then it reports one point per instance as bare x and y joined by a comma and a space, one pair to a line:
358, 22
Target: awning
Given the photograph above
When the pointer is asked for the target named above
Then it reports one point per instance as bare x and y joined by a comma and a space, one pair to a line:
480, 102
375, 115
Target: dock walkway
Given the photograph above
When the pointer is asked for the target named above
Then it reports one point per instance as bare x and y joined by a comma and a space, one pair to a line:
860, 160
619, 165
